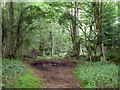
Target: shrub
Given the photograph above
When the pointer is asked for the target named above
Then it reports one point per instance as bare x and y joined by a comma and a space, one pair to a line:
113, 58
100, 74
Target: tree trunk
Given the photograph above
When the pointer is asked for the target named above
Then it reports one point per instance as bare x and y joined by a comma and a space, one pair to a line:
0, 43
78, 31
87, 48
98, 28
0, 32
89, 53
81, 48
103, 58
0, 27
75, 41
5, 32
18, 34
101, 24
53, 43
11, 30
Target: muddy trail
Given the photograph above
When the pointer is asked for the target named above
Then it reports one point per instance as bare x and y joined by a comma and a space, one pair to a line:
56, 73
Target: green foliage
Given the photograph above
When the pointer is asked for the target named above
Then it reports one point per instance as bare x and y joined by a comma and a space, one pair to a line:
42, 35
100, 74
16, 75
11, 70
113, 57
34, 22
28, 81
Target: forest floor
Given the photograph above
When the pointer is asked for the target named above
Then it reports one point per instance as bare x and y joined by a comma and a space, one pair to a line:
56, 73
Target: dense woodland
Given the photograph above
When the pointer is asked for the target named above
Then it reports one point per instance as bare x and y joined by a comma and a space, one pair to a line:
79, 31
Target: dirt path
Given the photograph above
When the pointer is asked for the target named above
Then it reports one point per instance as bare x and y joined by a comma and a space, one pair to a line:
56, 73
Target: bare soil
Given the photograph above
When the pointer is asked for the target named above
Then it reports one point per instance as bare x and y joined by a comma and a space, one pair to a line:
56, 73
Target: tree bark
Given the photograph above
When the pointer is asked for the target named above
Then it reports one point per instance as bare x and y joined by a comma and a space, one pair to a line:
11, 30
0, 43
78, 31
75, 41
53, 43
5, 32
0, 32
101, 24
18, 33
103, 58
98, 28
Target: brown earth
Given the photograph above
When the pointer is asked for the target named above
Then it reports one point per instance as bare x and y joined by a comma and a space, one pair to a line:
56, 73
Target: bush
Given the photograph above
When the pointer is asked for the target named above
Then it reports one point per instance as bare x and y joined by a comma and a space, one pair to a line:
100, 74
113, 57
94, 59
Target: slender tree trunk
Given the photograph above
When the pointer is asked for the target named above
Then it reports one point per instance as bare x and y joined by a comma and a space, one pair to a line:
5, 40
53, 43
0, 44
98, 28
3, 32
103, 58
78, 31
76, 43
101, 24
87, 48
18, 34
11, 30
81, 48
73, 29
0, 32
118, 28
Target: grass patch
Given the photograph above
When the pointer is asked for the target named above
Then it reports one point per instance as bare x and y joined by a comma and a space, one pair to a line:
28, 81
48, 57
16, 75
100, 74
80, 61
